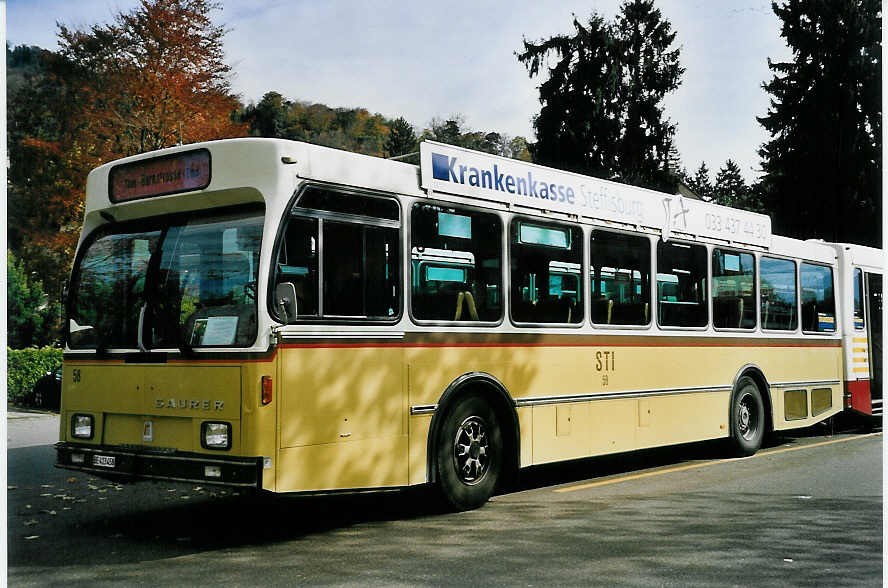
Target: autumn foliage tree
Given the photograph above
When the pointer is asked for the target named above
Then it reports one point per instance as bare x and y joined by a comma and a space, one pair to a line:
152, 78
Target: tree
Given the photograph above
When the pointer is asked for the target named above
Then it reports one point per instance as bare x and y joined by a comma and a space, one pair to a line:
401, 139
30, 317
519, 149
822, 163
700, 183
601, 110
730, 187
448, 131
153, 78
269, 117
650, 70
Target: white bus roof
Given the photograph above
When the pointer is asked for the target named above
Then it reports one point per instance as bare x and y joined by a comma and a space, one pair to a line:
269, 171
861, 255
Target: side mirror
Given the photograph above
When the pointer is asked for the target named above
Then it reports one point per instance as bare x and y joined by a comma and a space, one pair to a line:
285, 300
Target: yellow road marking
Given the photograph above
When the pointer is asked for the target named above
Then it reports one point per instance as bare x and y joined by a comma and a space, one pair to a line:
860, 370
859, 339
860, 360
705, 464
859, 350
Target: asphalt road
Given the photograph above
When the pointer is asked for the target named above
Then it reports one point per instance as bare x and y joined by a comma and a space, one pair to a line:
805, 511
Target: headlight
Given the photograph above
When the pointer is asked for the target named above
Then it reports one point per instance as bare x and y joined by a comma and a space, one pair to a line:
82, 426
215, 435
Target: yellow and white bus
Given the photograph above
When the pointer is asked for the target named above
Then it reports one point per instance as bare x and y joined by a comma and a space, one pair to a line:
287, 317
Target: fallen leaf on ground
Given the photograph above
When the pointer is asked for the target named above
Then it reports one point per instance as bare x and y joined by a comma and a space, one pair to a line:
29, 537
30, 522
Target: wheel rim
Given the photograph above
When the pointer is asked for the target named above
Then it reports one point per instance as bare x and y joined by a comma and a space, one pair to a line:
747, 417
471, 450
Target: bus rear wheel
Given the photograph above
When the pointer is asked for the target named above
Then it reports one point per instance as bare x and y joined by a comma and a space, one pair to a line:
747, 418
469, 453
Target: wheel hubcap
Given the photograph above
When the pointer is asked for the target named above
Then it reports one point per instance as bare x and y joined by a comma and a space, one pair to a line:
471, 450
747, 418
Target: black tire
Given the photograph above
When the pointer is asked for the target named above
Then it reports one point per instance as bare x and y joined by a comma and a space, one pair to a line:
469, 452
747, 418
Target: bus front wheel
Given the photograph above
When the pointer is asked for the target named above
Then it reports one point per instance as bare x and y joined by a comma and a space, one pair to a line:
469, 453
747, 418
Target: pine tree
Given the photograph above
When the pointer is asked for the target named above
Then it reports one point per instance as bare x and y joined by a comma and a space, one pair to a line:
601, 110
822, 163
701, 183
650, 71
730, 187
401, 139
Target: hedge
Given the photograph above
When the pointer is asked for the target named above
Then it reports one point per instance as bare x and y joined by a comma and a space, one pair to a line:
25, 366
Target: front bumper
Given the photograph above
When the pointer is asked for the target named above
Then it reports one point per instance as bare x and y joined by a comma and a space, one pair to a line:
130, 464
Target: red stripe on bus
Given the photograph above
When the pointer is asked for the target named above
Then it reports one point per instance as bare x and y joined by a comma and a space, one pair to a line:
599, 344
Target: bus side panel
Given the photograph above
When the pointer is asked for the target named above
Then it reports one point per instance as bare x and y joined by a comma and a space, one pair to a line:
363, 463
559, 429
343, 417
790, 370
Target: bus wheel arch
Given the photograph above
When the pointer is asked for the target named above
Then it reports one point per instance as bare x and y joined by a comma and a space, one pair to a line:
750, 415
758, 376
475, 390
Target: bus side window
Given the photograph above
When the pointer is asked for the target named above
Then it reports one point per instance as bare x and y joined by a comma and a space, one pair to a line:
456, 264
733, 290
818, 303
681, 285
546, 265
778, 294
620, 274
859, 319
350, 239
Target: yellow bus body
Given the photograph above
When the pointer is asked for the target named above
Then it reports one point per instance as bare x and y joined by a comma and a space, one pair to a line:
355, 410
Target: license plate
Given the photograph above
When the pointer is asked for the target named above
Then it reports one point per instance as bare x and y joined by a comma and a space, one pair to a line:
104, 461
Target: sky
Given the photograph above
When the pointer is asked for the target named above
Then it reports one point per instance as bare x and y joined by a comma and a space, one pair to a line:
424, 60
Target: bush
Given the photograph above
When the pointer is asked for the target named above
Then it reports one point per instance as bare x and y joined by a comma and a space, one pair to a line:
24, 367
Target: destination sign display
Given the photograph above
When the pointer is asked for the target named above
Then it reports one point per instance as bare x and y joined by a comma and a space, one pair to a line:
170, 174
453, 170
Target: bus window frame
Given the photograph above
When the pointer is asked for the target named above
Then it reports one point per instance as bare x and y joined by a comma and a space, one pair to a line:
755, 295
655, 286
833, 272
409, 203
652, 252
798, 294
322, 215
543, 222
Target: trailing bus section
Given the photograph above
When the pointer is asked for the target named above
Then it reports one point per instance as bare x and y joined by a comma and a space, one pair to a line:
292, 318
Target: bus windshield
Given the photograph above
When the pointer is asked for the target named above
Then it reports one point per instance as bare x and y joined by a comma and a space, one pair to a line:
188, 282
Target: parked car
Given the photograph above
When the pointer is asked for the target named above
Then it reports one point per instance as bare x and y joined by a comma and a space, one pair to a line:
47, 391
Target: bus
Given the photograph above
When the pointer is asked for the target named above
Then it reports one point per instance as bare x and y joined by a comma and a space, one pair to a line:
275, 315
860, 291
